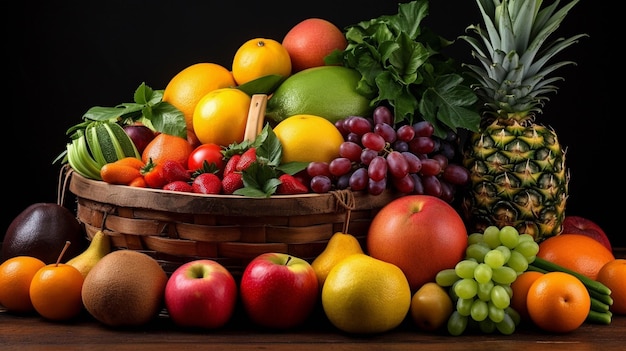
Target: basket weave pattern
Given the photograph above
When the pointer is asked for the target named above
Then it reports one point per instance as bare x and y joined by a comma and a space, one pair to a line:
176, 227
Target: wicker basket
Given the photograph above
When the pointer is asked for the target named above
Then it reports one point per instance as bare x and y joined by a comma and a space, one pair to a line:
176, 227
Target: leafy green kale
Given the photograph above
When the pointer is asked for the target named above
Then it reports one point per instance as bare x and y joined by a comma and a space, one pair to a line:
401, 65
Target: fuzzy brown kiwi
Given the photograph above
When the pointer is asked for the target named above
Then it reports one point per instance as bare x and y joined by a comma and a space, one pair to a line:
125, 288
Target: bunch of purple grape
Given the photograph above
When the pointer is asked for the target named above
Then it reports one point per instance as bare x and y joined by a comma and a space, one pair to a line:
378, 154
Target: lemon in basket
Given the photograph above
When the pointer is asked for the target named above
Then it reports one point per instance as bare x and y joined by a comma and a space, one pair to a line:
364, 295
220, 117
308, 138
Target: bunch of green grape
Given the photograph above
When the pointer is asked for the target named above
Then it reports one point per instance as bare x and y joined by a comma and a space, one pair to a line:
480, 284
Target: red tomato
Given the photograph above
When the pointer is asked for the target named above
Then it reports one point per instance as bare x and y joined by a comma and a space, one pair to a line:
211, 153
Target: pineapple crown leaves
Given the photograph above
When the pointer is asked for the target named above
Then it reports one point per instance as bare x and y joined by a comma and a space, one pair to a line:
514, 51
401, 64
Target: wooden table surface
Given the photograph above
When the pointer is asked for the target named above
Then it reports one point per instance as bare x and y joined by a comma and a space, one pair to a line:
31, 332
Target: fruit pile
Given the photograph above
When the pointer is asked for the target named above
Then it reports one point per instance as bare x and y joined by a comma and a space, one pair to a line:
350, 138
504, 280
365, 112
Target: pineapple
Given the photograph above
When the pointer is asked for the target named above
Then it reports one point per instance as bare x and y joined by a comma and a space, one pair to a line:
517, 167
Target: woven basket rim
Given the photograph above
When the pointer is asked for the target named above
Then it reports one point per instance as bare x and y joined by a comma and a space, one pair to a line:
232, 205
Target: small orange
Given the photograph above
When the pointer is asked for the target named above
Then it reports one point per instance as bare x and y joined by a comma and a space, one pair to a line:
56, 291
260, 57
613, 275
188, 86
577, 252
221, 116
167, 147
310, 41
16, 273
520, 292
558, 302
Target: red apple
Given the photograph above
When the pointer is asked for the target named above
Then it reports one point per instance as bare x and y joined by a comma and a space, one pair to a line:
278, 290
140, 135
581, 225
421, 234
201, 293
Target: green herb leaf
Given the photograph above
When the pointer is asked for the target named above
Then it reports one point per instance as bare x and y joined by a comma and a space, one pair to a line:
259, 180
147, 108
270, 148
263, 85
401, 65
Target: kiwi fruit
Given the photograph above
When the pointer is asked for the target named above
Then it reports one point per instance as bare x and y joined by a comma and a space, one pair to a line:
125, 288
41, 231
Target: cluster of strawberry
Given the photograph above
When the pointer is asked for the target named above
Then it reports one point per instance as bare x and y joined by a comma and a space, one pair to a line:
172, 175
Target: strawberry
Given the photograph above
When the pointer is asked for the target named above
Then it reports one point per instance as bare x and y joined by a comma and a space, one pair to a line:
231, 164
207, 183
231, 182
179, 185
247, 158
290, 185
174, 170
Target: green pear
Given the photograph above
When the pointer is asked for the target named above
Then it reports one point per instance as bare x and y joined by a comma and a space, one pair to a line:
100, 246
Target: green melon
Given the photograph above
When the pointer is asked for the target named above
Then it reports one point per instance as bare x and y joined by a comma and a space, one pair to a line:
326, 91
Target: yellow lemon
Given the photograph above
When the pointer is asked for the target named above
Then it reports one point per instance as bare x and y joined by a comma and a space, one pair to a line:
365, 295
260, 57
188, 86
308, 138
340, 246
220, 117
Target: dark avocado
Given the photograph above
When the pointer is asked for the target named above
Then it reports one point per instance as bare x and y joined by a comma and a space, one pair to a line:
41, 231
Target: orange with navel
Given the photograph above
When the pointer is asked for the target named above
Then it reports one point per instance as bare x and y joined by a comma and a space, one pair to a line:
260, 57
558, 302
189, 85
310, 41
577, 252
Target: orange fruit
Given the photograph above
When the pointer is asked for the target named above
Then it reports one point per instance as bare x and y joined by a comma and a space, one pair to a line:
558, 302
188, 86
520, 292
221, 117
167, 147
260, 57
310, 41
577, 252
308, 138
613, 275
56, 291
16, 273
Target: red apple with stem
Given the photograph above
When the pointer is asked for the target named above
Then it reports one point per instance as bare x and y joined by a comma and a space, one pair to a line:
421, 234
201, 293
279, 290
581, 225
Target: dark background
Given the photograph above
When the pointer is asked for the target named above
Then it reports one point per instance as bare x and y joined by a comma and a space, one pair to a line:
67, 56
